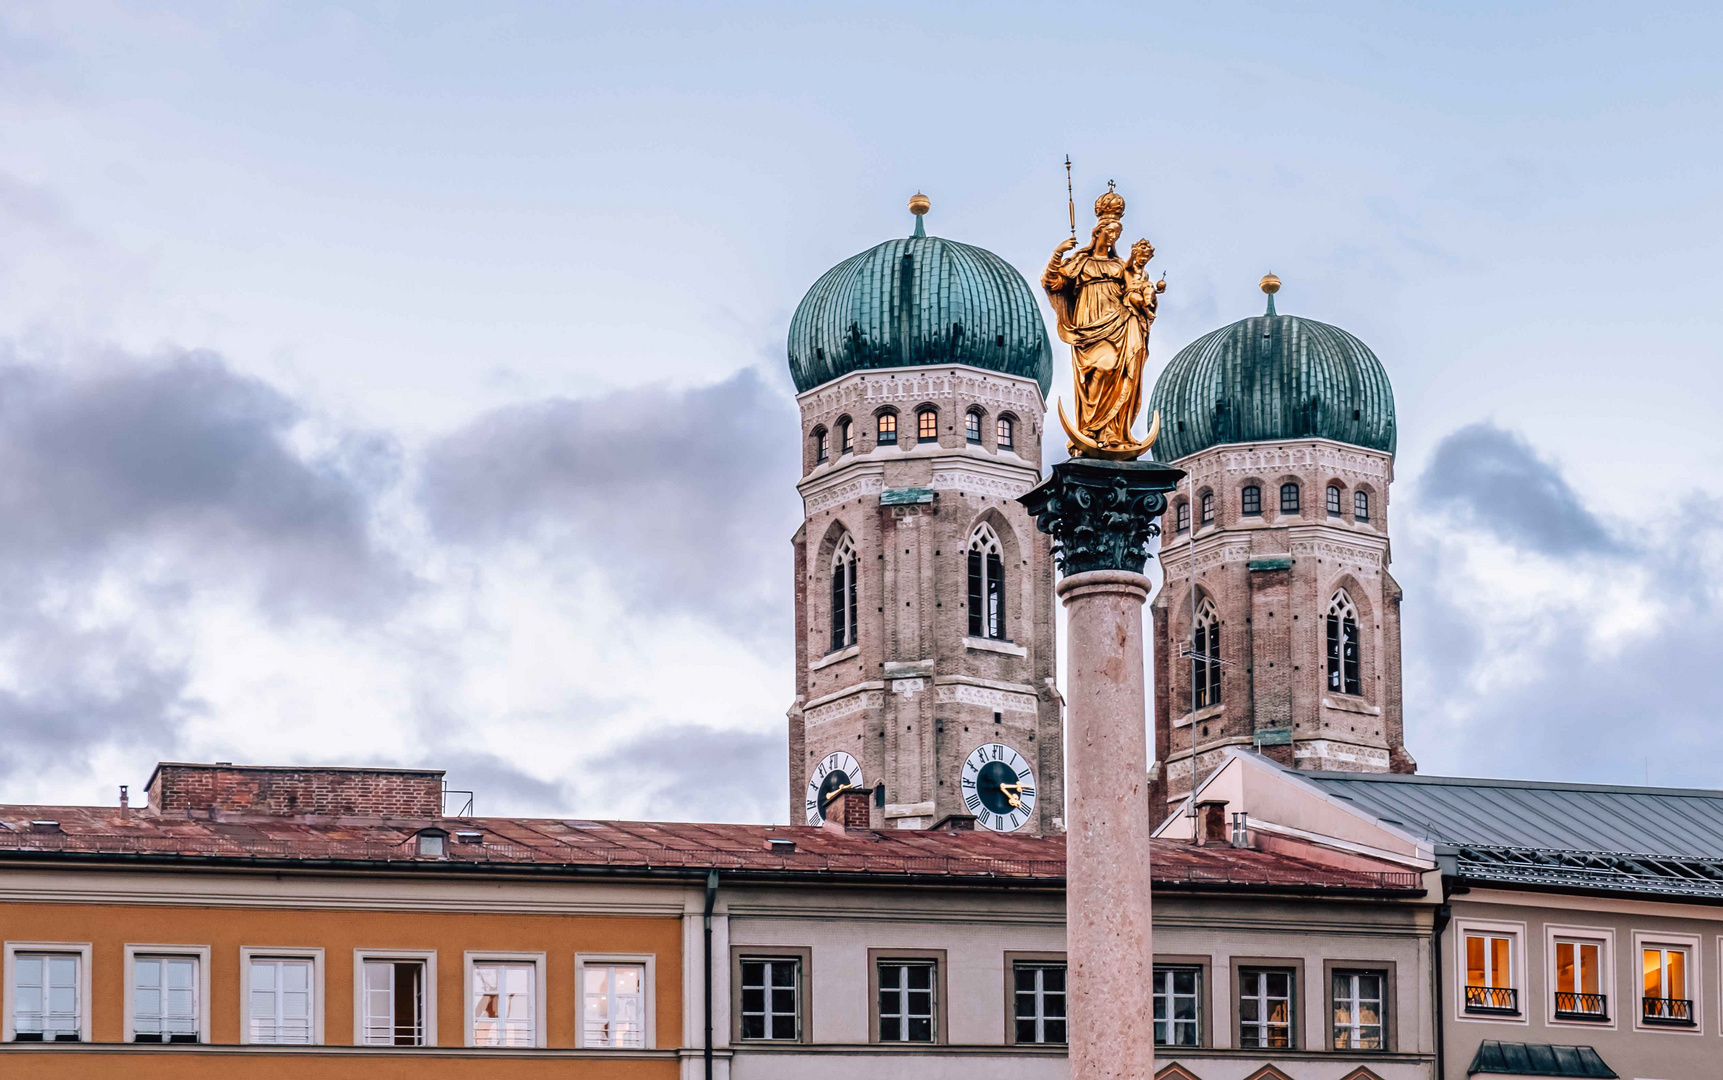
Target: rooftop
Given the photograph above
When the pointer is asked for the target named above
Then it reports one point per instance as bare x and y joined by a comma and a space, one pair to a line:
574, 847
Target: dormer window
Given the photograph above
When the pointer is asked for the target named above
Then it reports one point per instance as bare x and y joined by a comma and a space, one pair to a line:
433, 843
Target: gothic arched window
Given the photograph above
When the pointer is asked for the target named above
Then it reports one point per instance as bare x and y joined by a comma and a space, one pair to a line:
927, 425
846, 436
972, 426
1334, 500
1289, 498
986, 585
1343, 645
1250, 501
1205, 656
844, 595
1361, 505
1182, 517
887, 429
1208, 508
1007, 434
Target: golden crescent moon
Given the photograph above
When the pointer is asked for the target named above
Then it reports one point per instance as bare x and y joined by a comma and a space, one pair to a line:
1090, 448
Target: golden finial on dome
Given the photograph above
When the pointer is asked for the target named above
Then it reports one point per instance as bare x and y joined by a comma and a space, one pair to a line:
1270, 285
919, 204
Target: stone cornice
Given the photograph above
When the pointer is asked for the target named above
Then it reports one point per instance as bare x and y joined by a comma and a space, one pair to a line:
1353, 463
863, 391
970, 470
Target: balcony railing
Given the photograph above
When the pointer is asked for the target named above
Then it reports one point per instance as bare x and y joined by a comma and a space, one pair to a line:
1581, 1006
1500, 1000
1676, 1011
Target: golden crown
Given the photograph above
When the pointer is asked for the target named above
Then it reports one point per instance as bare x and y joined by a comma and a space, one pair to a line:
1111, 205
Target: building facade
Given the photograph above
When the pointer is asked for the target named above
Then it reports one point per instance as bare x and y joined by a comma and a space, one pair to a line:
1277, 627
925, 644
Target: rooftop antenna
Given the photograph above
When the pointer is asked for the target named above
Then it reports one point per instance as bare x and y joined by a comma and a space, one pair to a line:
1070, 197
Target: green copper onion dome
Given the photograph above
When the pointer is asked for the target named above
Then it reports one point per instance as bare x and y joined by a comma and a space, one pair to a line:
919, 300
1271, 378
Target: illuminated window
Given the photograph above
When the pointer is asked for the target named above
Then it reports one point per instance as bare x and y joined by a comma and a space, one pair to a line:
613, 1006
1579, 980
844, 595
1358, 1011
1490, 974
986, 585
1343, 645
1668, 998
1333, 500
1265, 1009
927, 426
1007, 433
1250, 501
1289, 498
887, 428
972, 426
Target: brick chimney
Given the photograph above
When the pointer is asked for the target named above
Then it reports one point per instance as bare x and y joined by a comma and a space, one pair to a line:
851, 809
176, 787
1211, 822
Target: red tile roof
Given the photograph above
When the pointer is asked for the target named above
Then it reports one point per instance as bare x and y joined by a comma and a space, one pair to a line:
547, 844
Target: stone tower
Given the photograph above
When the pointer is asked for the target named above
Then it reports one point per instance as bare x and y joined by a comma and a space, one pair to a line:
1278, 627
924, 594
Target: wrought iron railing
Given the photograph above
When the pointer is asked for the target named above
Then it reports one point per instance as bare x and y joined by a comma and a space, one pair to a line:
1503, 1000
1581, 1006
1659, 1010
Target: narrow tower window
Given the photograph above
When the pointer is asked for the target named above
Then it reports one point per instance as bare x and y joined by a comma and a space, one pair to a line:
927, 426
1007, 434
844, 595
972, 427
846, 437
1205, 656
1250, 504
1289, 498
986, 585
1361, 505
1342, 645
1182, 518
887, 429
1333, 500
820, 449
1208, 508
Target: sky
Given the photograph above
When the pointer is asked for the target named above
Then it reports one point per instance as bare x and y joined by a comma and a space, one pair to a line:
405, 383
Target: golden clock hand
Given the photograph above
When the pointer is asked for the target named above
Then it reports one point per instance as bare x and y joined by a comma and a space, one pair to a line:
1011, 791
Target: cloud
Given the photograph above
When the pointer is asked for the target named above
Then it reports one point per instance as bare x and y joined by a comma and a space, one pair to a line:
499, 786
681, 496
1496, 481
698, 773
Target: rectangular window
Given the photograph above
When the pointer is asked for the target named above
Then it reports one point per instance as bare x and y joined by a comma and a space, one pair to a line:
1265, 1009
1182, 517
1178, 1006
1334, 501
280, 1001
927, 426
972, 427
1208, 508
887, 429
771, 999
819, 446
1489, 974
394, 1002
47, 997
613, 1009
1007, 437
906, 1001
1358, 1010
1361, 505
505, 1006
848, 431
1579, 980
1039, 990
1289, 498
165, 999
1250, 504
1667, 999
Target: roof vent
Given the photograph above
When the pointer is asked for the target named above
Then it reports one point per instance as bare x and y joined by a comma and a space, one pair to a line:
45, 825
780, 845
467, 836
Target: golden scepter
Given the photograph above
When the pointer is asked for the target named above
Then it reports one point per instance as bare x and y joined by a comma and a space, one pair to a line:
1070, 199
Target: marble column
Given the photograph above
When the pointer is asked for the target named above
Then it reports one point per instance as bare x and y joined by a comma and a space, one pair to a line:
1102, 515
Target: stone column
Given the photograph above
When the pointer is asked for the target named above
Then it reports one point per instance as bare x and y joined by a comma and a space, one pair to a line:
1101, 515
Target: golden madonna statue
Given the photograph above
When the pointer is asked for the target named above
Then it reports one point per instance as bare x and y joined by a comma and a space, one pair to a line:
1105, 306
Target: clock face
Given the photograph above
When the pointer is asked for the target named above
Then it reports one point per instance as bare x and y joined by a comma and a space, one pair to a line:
998, 787
833, 772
